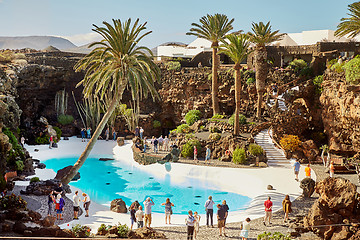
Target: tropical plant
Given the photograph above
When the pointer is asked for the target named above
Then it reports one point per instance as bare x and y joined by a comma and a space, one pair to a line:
183, 128
213, 28
239, 156
115, 63
250, 81
80, 231
131, 116
273, 236
89, 110
290, 143
338, 67
65, 119
236, 48
317, 82
173, 65
34, 179
16, 150
188, 148
122, 230
61, 102
242, 119
255, 149
352, 71
350, 25
19, 165
192, 116
297, 64
261, 36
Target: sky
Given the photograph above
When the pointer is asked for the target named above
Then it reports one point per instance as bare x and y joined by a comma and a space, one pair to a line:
168, 20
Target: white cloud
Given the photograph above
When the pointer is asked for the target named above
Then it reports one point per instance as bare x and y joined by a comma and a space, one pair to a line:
82, 39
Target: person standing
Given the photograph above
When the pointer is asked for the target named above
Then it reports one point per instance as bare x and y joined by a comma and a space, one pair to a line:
296, 169
107, 134
221, 219
195, 154
145, 141
209, 208
77, 201
50, 202
86, 203
208, 155
332, 169
22, 140
286, 203
197, 224
308, 171
139, 215
83, 135
132, 216
147, 205
226, 209
268, 210
141, 132
166, 144
88, 131
51, 141
168, 209
161, 142
156, 142
59, 206
190, 222
137, 131
113, 133
245, 228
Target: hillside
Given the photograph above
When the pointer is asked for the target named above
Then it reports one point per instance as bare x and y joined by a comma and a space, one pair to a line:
35, 42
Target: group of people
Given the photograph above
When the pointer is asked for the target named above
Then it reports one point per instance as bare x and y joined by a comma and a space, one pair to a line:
85, 134
107, 134
268, 204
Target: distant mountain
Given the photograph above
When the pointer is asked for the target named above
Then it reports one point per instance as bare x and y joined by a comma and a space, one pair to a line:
35, 42
82, 49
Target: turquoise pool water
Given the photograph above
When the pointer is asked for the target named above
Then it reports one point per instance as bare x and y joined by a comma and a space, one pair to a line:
105, 181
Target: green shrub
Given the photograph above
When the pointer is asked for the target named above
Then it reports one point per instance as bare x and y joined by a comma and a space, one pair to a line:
250, 81
17, 150
19, 165
183, 128
218, 116
6, 56
307, 71
273, 236
297, 65
34, 179
215, 136
12, 202
331, 63
317, 82
122, 230
188, 148
202, 128
189, 136
255, 149
192, 116
239, 156
173, 66
79, 230
352, 71
2, 183
214, 129
44, 139
65, 119
338, 67
242, 119
58, 133
156, 124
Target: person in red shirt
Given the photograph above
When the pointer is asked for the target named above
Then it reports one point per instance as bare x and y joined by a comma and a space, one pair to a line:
268, 210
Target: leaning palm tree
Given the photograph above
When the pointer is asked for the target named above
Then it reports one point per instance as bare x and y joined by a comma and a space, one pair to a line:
236, 47
350, 25
262, 36
213, 28
116, 62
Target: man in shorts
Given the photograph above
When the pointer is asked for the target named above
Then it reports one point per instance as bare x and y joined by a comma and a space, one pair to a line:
147, 207
268, 210
296, 169
221, 219
77, 201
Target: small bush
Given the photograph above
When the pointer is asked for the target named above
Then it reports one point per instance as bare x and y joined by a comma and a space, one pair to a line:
255, 150
331, 63
273, 236
156, 124
239, 156
192, 116
218, 116
173, 66
58, 134
6, 56
297, 65
34, 179
202, 128
188, 148
317, 82
242, 119
65, 119
250, 81
79, 230
44, 139
290, 143
122, 230
338, 67
17, 150
12, 202
352, 71
19, 165
214, 129
307, 71
215, 136
183, 128
189, 136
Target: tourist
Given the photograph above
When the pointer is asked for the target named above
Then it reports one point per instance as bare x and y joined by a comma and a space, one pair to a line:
138, 145
209, 208
332, 169
208, 155
268, 210
195, 155
197, 224
190, 222
137, 131
161, 142
113, 133
58, 190
221, 220
145, 144
226, 209
166, 144
59, 206
147, 206
77, 201
86, 202
286, 203
139, 215
107, 134
296, 169
50, 202
22, 140
132, 216
83, 134
168, 209
156, 142
136, 205
152, 140
141, 132
88, 132
245, 228
51, 141
308, 171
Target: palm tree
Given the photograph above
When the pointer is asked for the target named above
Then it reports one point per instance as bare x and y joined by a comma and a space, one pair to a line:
213, 28
262, 36
350, 25
236, 47
115, 63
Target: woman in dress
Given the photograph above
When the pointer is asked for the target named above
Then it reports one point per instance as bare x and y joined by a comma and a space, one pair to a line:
286, 203
168, 209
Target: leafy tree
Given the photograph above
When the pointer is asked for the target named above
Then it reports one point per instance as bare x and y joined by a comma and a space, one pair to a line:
213, 28
351, 24
115, 63
261, 36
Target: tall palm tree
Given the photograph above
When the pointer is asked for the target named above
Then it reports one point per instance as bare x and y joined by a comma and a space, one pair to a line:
115, 63
236, 47
350, 25
213, 28
261, 36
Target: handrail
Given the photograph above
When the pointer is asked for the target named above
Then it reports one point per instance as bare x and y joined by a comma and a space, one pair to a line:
274, 141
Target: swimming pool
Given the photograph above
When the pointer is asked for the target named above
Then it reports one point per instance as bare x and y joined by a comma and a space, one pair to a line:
107, 180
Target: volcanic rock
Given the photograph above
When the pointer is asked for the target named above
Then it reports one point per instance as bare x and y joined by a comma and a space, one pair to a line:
62, 173
145, 233
118, 205
308, 187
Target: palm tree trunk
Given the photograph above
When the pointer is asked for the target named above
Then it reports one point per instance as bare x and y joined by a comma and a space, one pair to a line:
237, 99
214, 83
260, 74
71, 174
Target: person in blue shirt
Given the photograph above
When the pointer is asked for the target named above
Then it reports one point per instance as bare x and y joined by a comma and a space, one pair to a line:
208, 155
296, 169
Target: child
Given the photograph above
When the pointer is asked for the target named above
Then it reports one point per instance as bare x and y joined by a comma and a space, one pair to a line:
197, 218
245, 227
140, 217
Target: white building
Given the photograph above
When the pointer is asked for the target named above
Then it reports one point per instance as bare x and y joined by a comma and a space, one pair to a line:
182, 50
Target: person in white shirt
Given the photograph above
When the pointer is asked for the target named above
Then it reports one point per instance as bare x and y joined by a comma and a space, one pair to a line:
209, 208
140, 217
77, 201
147, 207
245, 229
190, 223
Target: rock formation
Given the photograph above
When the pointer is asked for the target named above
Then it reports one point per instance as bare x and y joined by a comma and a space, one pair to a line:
118, 205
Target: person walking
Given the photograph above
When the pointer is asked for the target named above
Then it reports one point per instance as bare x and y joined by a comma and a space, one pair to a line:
166, 143
195, 155
147, 205
245, 228
308, 171
156, 142
209, 208
132, 216
83, 135
141, 132
268, 210
226, 209
145, 146
296, 169
107, 134
86, 203
137, 131
161, 143
168, 209
207, 154
332, 169
88, 131
139, 215
51, 200
77, 201
113, 133
190, 223
286, 203
51, 142
221, 219
59, 206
